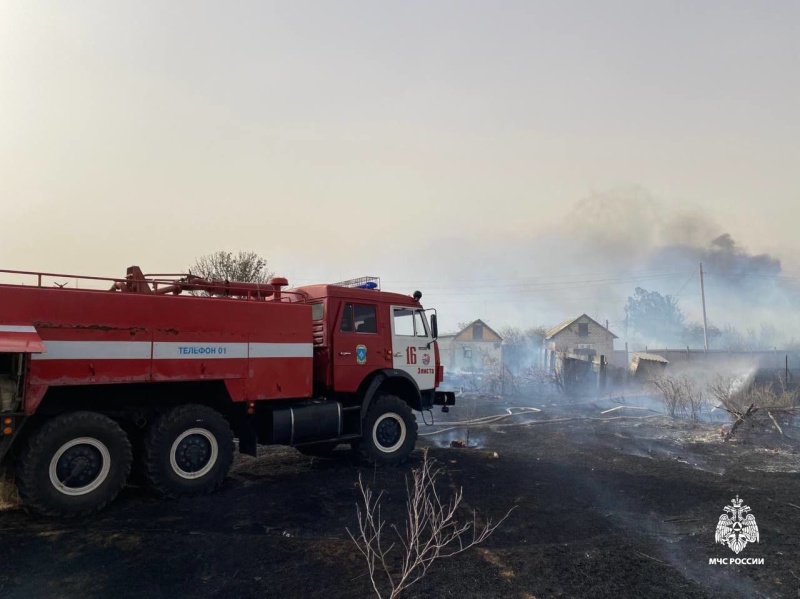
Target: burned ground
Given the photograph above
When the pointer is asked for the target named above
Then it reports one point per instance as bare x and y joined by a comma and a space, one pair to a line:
621, 504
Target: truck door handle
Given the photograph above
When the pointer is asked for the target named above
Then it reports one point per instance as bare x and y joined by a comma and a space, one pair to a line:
398, 355
344, 353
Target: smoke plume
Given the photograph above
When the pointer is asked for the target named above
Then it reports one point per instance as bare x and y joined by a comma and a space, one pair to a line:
592, 261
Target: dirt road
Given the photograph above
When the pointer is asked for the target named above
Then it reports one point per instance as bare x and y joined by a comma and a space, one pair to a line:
622, 507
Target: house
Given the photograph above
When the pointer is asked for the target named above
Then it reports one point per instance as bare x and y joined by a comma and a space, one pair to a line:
581, 336
475, 348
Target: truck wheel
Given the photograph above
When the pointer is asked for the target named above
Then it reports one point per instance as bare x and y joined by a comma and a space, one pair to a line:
318, 450
187, 452
390, 431
74, 464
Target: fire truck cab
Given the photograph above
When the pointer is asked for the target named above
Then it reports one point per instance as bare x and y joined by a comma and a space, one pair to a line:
358, 336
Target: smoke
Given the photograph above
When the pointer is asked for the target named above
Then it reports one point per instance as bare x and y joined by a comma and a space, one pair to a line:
748, 298
593, 259
723, 258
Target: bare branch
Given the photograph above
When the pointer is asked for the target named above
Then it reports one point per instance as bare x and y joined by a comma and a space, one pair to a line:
743, 400
680, 396
431, 531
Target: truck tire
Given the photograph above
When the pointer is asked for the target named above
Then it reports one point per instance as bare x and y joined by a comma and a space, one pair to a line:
188, 451
390, 431
318, 450
74, 464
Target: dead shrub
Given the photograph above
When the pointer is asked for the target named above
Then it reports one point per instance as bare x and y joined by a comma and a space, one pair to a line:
736, 397
541, 378
750, 402
431, 532
681, 397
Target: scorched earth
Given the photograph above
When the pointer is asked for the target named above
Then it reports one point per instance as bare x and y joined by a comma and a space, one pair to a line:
608, 503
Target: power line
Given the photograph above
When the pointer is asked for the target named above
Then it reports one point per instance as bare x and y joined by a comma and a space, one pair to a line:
754, 276
562, 286
688, 280
473, 280
609, 302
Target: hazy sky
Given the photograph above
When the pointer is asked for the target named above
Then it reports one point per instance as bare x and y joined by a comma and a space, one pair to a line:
344, 138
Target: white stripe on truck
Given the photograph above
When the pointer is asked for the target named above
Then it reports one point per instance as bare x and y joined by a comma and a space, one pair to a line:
94, 350
11, 328
198, 349
172, 350
281, 350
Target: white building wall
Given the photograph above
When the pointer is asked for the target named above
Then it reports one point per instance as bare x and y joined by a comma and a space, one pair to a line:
570, 340
470, 356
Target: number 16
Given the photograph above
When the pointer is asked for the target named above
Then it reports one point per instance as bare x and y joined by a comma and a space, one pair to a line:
411, 355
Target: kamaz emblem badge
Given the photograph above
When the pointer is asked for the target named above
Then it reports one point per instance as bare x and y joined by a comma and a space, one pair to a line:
361, 354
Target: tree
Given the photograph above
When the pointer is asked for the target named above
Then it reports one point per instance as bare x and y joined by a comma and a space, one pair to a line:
768, 337
693, 334
521, 348
653, 315
243, 267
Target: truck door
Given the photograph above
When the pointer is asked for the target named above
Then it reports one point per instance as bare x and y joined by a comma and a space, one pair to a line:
410, 351
358, 349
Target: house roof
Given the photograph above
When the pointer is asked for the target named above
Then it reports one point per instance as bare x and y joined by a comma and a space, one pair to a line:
650, 357
486, 326
561, 326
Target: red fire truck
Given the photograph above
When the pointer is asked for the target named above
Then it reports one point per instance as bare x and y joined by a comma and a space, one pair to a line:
164, 373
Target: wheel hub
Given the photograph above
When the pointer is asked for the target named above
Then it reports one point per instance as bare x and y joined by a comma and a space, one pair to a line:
80, 466
388, 432
193, 453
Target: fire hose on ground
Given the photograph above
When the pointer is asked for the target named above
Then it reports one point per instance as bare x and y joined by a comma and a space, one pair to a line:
510, 413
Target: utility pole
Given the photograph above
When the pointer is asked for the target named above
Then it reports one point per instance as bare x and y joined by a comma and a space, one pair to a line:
705, 321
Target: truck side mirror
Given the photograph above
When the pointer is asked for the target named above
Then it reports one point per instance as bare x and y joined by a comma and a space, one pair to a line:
434, 326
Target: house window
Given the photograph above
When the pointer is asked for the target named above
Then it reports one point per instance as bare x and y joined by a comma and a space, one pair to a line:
477, 332
583, 329
468, 353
